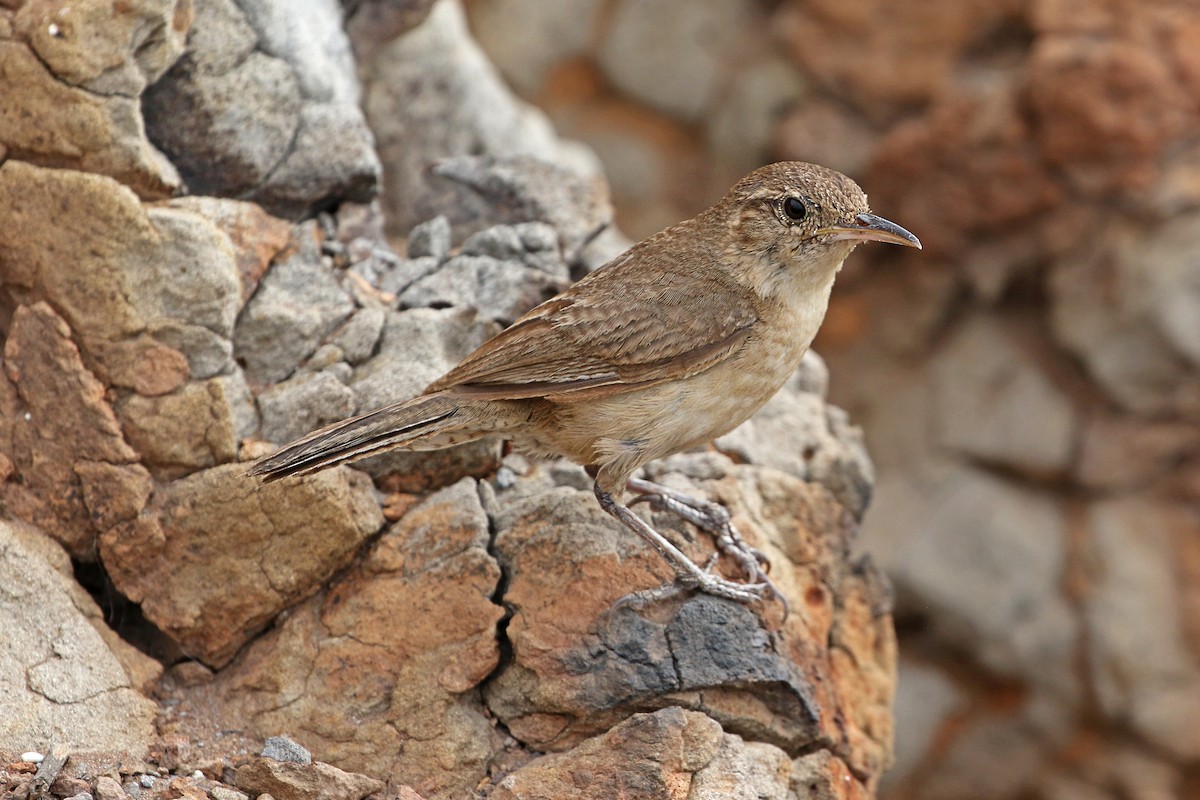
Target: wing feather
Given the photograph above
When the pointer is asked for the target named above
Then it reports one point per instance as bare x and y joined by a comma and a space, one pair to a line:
635, 322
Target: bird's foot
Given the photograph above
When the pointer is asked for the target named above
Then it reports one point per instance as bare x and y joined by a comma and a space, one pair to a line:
715, 519
689, 576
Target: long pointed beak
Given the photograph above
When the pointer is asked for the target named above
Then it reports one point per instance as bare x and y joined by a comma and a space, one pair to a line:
868, 227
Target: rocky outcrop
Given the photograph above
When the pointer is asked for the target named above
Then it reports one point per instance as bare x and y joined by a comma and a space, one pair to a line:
195, 267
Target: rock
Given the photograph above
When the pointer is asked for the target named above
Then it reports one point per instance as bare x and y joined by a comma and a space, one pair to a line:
670, 73
798, 433
281, 748
288, 781
926, 700
372, 23
304, 403
1119, 453
359, 336
502, 272
155, 276
195, 427
216, 556
579, 666
265, 106
1138, 344
527, 39
76, 73
108, 789
996, 406
431, 94
823, 776
430, 239
225, 793
58, 419
487, 190
298, 304
416, 348
991, 583
669, 753
1145, 670
380, 671
65, 685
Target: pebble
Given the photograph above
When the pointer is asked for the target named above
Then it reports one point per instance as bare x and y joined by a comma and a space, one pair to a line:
33, 757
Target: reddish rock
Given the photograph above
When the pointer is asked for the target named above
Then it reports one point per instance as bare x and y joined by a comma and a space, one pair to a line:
378, 674
216, 555
60, 418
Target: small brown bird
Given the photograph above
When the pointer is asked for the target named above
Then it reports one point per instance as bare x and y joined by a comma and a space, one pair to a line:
668, 346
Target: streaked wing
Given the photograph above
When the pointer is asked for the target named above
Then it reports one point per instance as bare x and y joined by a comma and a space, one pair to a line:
625, 326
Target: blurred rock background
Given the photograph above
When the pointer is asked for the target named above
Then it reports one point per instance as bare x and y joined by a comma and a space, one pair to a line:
1029, 384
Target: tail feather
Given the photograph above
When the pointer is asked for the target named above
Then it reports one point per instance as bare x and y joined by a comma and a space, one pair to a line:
386, 428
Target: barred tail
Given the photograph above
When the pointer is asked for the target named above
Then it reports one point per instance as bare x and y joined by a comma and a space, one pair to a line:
395, 426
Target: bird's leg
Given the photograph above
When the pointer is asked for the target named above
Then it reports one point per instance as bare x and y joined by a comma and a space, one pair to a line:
688, 575
713, 518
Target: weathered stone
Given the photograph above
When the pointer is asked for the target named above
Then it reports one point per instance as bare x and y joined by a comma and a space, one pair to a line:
358, 337
380, 671
430, 238
670, 753
287, 781
108, 789
499, 290
265, 106
64, 684
281, 748
579, 666
489, 190
431, 94
59, 418
997, 407
73, 91
302, 404
527, 39
298, 304
1145, 668
154, 274
989, 583
217, 556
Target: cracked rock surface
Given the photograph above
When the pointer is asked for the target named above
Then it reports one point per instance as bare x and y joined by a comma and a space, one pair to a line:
421, 625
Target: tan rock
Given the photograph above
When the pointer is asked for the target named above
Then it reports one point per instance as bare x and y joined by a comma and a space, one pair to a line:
63, 683
45, 119
316, 781
60, 419
579, 667
133, 276
218, 556
378, 674
195, 427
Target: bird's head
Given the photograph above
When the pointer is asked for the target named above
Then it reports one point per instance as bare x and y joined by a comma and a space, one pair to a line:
793, 224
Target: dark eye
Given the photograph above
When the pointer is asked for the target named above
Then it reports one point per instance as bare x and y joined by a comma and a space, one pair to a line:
794, 209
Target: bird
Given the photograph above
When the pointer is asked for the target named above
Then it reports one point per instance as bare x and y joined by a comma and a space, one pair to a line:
668, 346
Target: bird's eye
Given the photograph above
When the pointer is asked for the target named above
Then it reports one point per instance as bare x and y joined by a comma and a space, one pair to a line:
794, 209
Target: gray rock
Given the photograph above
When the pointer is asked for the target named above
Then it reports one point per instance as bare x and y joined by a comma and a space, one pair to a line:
670, 73
298, 303
281, 748
430, 238
81, 796
499, 290
225, 131
416, 348
535, 244
995, 405
488, 190
982, 560
63, 683
431, 94
396, 277
358, 337
1144, 665
265, 106
304, 403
